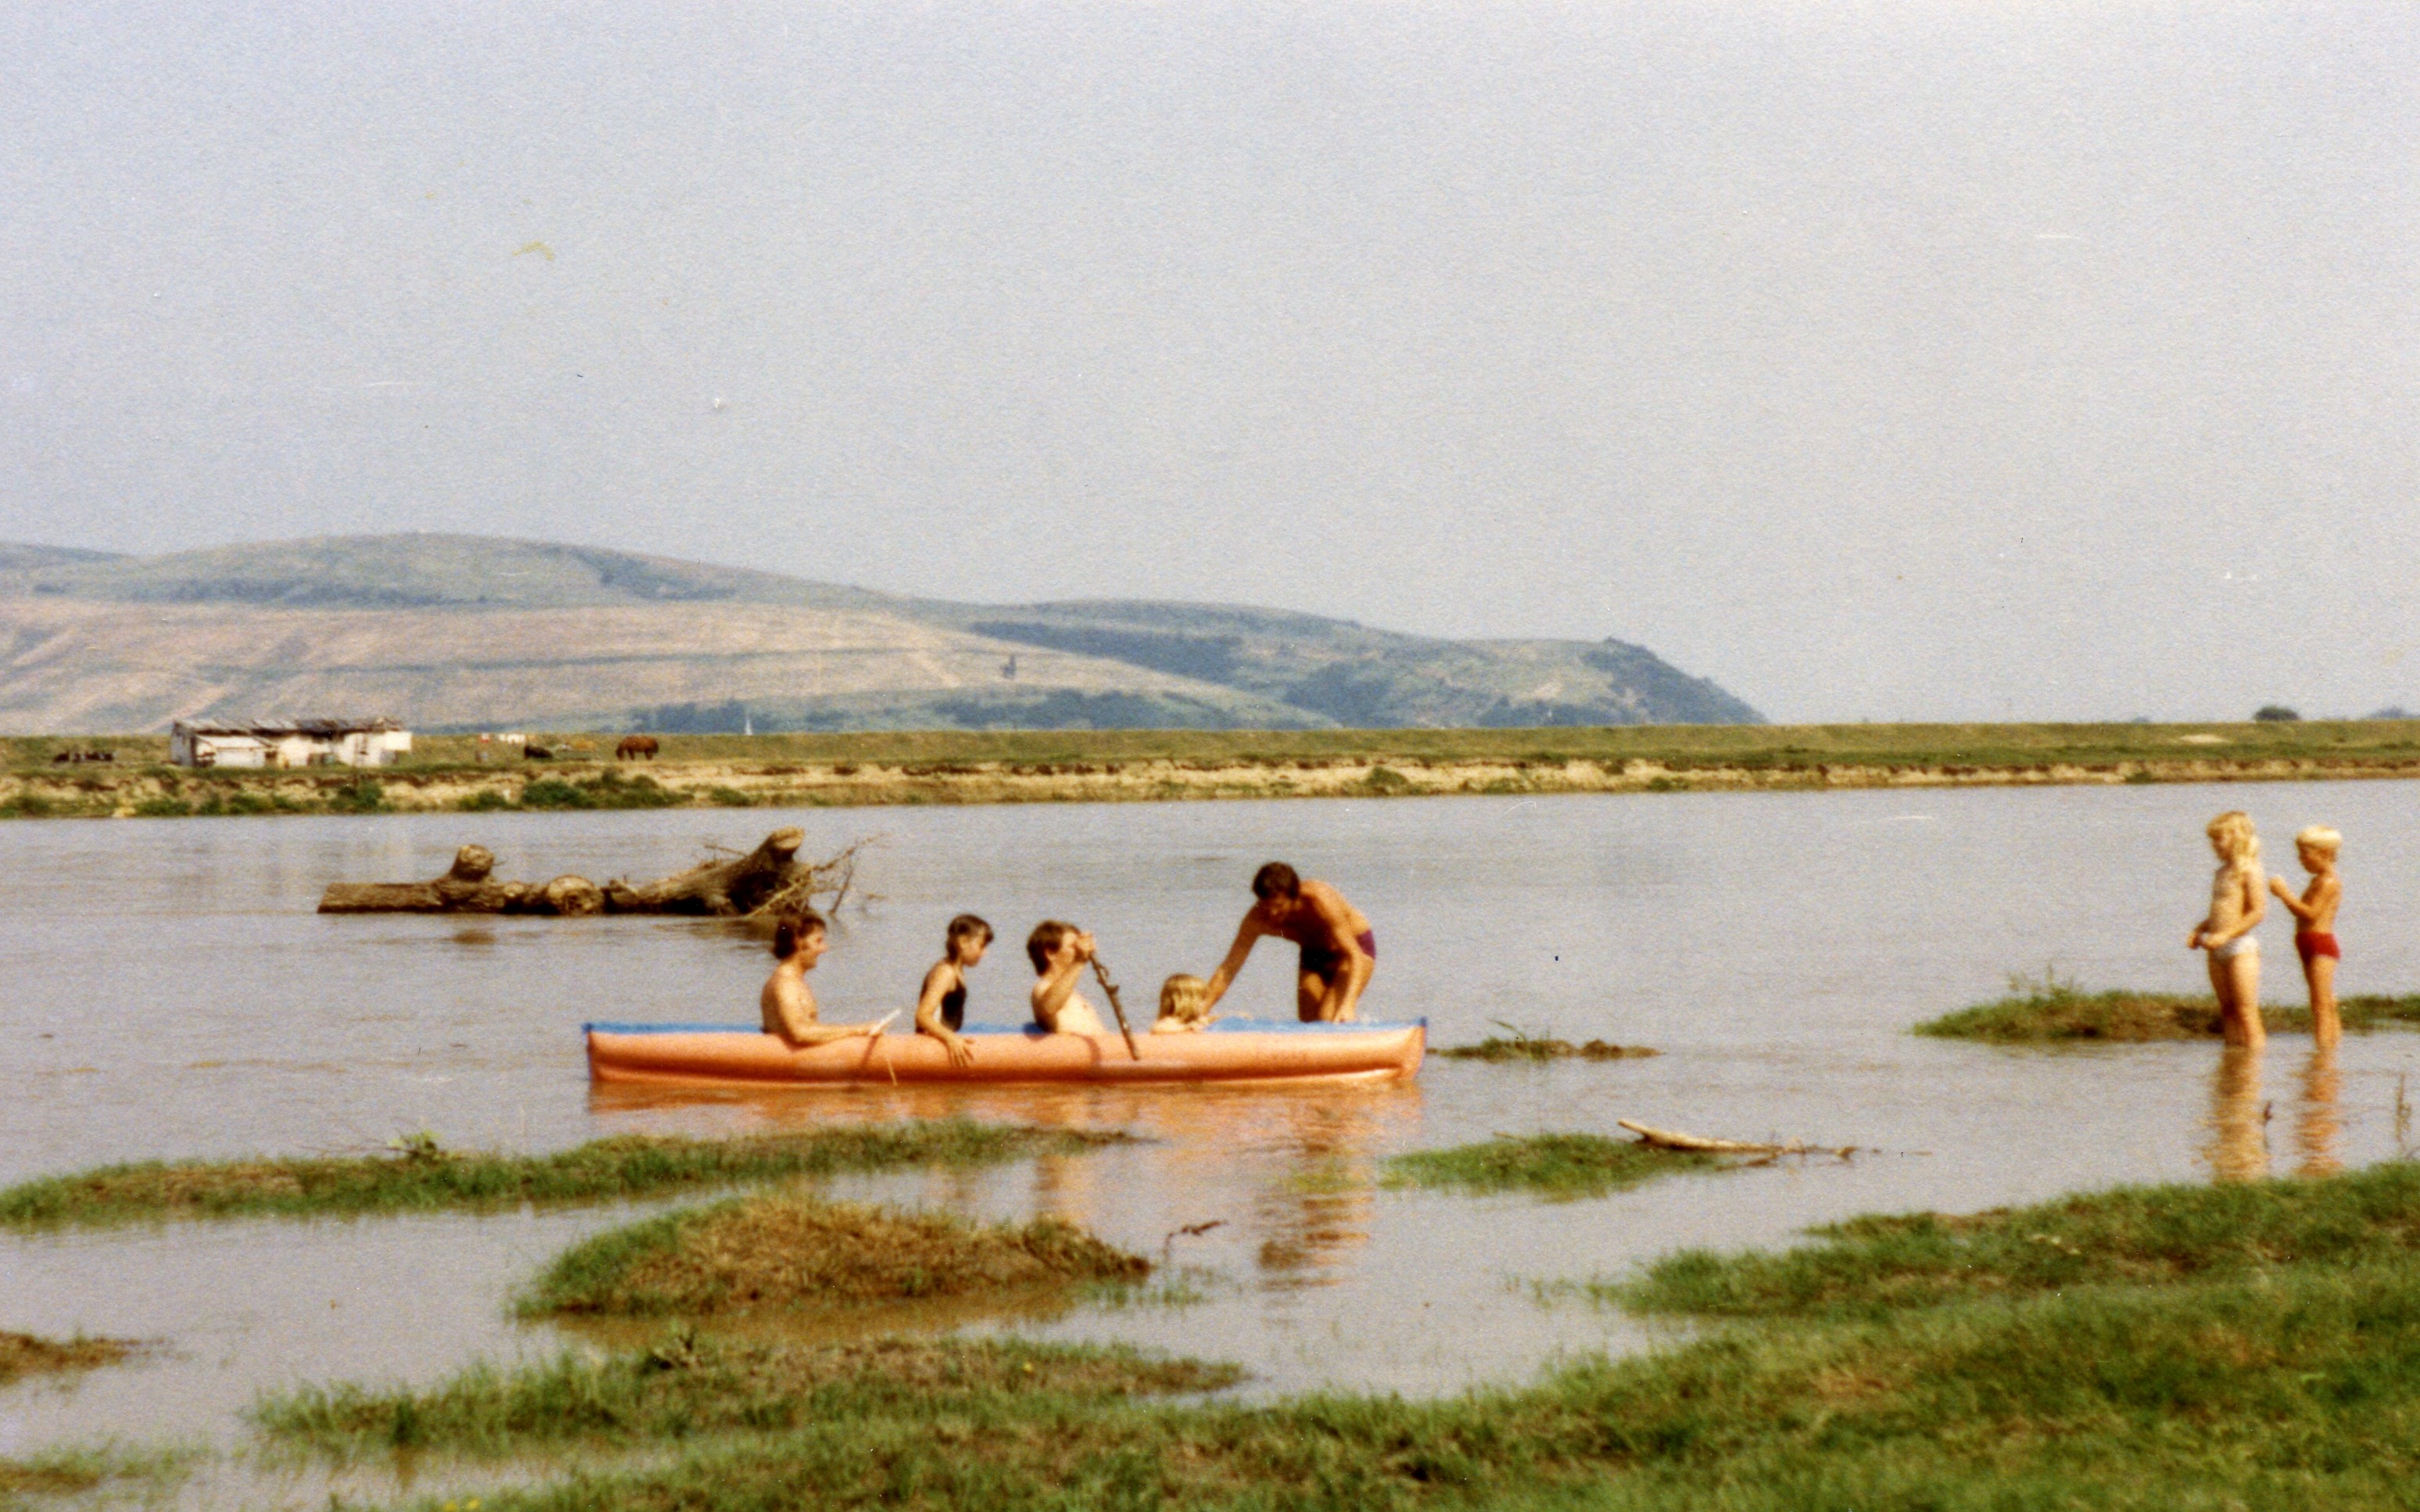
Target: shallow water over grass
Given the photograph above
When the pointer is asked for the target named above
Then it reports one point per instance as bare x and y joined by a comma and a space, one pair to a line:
1774, 947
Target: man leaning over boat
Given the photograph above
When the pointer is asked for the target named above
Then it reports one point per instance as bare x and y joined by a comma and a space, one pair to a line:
1339, 948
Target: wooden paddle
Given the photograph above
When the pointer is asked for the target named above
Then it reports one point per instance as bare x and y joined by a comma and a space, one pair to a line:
1101, 974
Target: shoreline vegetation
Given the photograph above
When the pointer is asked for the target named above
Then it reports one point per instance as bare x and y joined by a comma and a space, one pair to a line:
1110, 765
2177, 1346
420, 1176
789, 1250
2039, 1013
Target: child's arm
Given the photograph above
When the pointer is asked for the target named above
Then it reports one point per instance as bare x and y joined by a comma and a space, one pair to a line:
938, 983
2304, 909
1051, 992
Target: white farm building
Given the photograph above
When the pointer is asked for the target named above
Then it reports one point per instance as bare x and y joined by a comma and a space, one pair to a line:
288, 742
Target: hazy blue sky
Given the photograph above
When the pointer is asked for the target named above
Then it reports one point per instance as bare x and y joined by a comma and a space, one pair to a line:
1895, 360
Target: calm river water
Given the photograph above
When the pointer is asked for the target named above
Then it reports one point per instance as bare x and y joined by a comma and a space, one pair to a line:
171, 994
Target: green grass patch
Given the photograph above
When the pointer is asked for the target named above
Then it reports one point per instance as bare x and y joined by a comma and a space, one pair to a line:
29, 1355
2138, 1235
421, 1176
689, 1386
2038, 1013
790, 1249
1556, 1164
41, 1479
1496, 1050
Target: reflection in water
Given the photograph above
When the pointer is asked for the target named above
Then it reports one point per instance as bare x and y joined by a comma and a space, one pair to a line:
2316, 1124
1317, 1213
1294, 1168
2238, 1147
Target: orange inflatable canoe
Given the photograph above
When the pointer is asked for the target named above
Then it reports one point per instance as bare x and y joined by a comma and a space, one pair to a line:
1229, 1051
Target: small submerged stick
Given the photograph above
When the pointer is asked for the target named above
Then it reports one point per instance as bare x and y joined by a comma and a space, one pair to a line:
1101, 974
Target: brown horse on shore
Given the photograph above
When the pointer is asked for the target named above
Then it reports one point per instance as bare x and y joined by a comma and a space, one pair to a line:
636, 748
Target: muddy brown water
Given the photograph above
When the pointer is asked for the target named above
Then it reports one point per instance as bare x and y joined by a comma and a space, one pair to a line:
171, 994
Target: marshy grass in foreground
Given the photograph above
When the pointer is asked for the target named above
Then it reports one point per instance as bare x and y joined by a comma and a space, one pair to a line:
2213, 1378
791, 1249
1556, 1164
28, 1355
2135, 1236
689, 1386
421, 1176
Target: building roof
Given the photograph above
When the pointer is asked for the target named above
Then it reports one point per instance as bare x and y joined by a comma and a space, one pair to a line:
281, 729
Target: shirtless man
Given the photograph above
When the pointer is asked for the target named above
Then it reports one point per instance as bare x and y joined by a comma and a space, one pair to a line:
1338, 950
1059, 953
788, 1007
2315, 925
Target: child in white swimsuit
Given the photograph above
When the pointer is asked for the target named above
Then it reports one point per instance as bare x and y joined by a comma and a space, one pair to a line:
2237, 901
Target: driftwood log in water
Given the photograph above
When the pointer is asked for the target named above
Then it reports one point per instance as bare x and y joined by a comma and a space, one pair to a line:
765, 880
1674, 1139
723, 889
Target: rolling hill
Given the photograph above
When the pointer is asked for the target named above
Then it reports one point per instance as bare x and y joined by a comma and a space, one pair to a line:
461, 632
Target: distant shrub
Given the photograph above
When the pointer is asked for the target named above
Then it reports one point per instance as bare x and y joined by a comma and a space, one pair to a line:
607, 790
147, 808
1385, 779
730, 798
366, 796
487, 800
2274, 714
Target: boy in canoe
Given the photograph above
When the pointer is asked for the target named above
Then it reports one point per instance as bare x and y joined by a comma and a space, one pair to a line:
941, 1007
1339, 948
788, 1007
1059, 953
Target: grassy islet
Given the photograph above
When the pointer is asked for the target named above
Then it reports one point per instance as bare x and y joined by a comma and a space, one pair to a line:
790, 1249
1555, 1164
421, 1177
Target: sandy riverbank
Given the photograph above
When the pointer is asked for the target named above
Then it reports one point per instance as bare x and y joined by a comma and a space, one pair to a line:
129, 791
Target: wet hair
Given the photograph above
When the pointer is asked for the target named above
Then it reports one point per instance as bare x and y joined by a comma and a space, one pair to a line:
1185, 998
1277, 880
2231, 832
792, 932
965, 927
2320, 838
1043, 940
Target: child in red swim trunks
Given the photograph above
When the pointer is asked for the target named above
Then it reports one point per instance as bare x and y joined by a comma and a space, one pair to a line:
2315, 924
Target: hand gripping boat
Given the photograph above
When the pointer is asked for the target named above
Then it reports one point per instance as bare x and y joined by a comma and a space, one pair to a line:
1229, 1051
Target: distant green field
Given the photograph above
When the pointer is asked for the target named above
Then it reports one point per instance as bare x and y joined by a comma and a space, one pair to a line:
2370, 742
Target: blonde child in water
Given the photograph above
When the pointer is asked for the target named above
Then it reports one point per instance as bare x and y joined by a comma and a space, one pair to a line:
2239, 896
1183, 1006
2315, 924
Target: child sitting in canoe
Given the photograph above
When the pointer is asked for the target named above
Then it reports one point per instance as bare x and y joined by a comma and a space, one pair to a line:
941, 1008
1183, 1006
2315, 924
1060, 954
788, 1007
